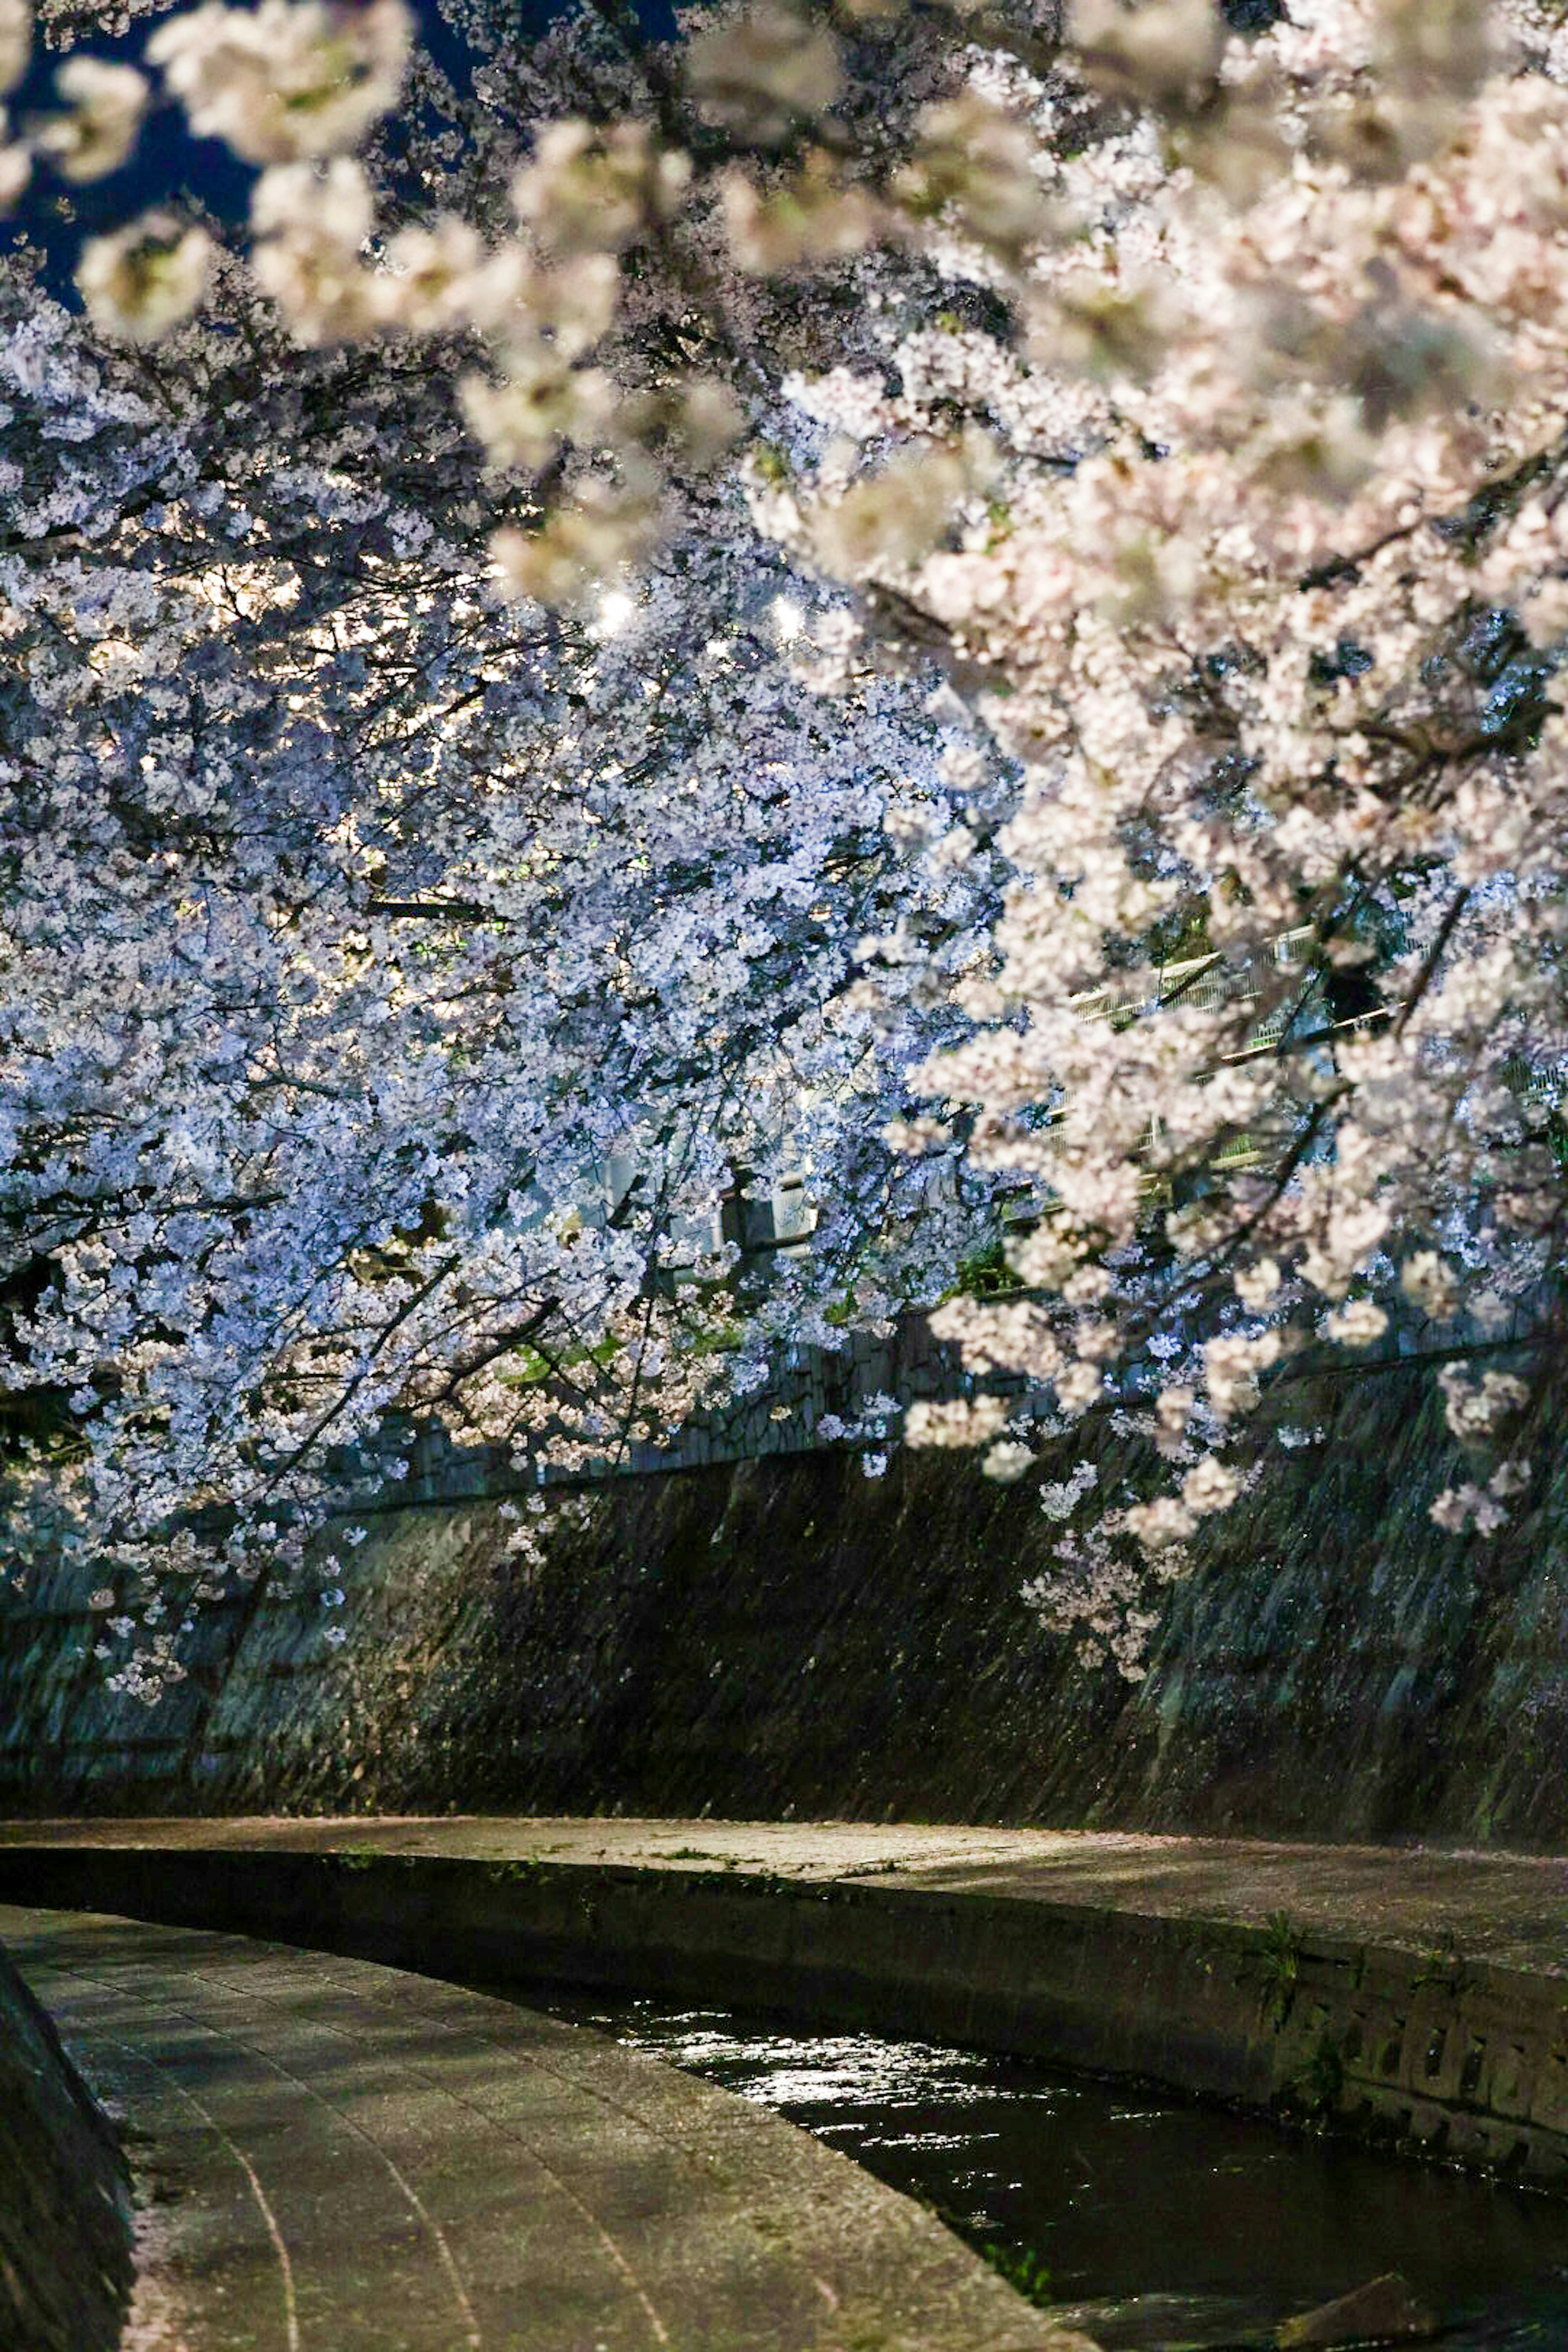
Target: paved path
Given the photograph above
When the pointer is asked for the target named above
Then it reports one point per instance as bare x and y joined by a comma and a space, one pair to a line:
357, 2159
1512, 1909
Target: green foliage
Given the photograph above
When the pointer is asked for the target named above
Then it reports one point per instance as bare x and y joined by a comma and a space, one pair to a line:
714, 1338
985, 1273
1278, 1965
1025, 2271
534, 1368
1319, 2082
1184, 933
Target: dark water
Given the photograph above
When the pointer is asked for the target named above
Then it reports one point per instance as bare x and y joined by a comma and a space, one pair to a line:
1165, 2225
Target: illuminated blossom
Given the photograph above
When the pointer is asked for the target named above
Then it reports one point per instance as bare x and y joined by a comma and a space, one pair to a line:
963, 640
288, 78
144, 279
979, 164
104, 105
16, 171
1161, 53
802, 222
540, 402
311, 230
1357, 1323
1430, 1285
580, 547
764, 73
15, 42
1209, 1485
588, 191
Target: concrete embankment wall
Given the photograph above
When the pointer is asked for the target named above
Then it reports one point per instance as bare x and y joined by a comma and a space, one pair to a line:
65, 2193
785, 1634
1465, 2060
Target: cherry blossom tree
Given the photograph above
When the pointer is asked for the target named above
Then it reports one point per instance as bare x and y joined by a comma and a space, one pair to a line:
959, 599
396, 976
1269, 583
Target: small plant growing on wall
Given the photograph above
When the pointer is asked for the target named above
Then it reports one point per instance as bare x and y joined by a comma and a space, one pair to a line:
1026, 2272
1277, 1963
1317, 2084
1444, 1966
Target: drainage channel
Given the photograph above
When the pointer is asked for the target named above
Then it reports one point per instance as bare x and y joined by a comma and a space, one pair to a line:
1164, 2227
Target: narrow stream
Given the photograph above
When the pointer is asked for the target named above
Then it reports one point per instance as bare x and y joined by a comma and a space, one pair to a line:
1166, 2226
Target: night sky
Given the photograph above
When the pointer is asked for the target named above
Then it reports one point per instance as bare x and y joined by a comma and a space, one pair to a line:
167, 163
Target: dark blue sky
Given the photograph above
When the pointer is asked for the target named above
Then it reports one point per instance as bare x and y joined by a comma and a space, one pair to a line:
168, 163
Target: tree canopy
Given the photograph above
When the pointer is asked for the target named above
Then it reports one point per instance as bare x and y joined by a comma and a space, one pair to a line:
956, 600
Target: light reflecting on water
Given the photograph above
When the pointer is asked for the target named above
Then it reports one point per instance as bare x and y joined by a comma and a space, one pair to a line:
1166, 2226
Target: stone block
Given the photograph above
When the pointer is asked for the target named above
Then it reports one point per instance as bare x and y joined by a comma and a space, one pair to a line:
1387, 2043
1550, 2105
1512, 2079
1383, 2312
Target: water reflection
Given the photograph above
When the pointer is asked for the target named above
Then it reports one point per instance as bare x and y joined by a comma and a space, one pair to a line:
1165, 2226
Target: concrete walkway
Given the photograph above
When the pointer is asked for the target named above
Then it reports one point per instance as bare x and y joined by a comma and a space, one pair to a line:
1509, 1909
350, 2158
1413, 1997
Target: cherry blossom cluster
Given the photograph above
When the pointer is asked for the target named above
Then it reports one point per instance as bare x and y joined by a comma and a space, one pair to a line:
968, 600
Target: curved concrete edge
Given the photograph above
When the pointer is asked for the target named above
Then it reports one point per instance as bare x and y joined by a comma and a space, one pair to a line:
1463, 2060
360, 2160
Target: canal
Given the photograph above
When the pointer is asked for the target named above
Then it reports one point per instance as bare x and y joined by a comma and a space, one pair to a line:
1164, 2226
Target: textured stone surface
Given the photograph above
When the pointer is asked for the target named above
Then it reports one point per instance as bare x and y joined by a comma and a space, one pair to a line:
1383, 2312
1509, 1910
1414, 1997
789, 1634
356, 2159
65, 2193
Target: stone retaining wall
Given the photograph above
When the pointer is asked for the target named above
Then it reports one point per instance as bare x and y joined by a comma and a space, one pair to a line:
65, 2193
787, 1635
1468, 2062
